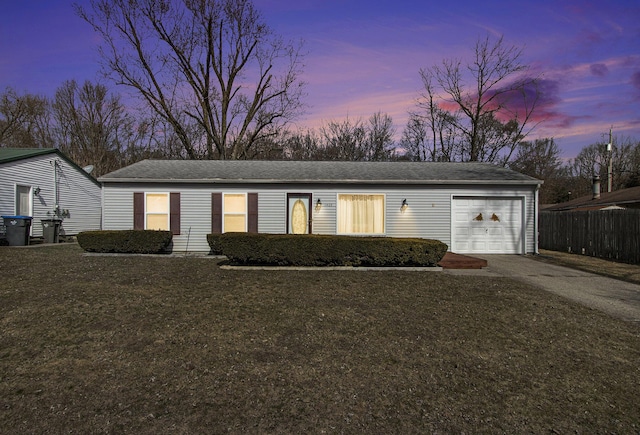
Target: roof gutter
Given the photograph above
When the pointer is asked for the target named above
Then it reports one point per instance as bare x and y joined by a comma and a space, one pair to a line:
319, 181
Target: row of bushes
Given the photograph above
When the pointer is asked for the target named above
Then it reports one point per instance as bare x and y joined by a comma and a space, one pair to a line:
127, 241
321, 250
279, 249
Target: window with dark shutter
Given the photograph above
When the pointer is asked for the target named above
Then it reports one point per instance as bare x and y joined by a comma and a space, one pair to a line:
147, 214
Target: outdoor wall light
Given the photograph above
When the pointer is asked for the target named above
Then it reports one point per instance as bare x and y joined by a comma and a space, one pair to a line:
318, 204
36, 191
404, 205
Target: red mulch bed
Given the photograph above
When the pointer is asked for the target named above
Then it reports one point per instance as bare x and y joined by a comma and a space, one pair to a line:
458, 261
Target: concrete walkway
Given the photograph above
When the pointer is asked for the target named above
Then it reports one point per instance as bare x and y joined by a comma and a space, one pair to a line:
616, 298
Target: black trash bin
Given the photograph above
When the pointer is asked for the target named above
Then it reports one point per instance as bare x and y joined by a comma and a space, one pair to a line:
18, 229
51, 230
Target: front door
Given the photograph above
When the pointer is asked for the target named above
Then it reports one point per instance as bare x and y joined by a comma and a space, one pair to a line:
298, 213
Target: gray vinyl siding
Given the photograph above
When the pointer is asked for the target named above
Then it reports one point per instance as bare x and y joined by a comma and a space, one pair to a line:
76, 193
324, 220
81, 197
272, 209
117, 210
428, 214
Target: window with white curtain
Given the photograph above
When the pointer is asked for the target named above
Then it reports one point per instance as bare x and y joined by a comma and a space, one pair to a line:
157, 211
235, 213
360, 214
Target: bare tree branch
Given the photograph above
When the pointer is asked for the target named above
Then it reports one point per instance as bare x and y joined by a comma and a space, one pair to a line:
485, 104
212, 69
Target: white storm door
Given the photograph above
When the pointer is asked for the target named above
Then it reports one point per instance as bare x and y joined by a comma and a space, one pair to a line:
298, 213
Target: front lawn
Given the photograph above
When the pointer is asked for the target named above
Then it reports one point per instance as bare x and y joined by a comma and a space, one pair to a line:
135, 344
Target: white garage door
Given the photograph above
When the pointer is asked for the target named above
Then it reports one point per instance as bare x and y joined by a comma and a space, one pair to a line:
487, 225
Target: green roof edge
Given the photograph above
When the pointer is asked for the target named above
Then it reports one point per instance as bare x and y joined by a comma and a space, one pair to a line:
34, 152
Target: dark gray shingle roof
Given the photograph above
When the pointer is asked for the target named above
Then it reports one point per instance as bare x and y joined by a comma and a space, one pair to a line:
270, 172
629, 197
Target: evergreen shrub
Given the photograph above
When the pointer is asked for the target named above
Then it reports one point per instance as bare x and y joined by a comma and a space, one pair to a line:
325, 250
127, 241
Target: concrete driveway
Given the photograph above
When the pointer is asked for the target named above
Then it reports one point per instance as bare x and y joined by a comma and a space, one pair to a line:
616, 298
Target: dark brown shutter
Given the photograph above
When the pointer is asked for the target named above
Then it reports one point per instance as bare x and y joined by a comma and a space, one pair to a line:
252, 212
174, 212
138, 210
216, 213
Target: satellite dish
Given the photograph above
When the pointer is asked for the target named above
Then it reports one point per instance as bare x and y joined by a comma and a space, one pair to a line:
88, 169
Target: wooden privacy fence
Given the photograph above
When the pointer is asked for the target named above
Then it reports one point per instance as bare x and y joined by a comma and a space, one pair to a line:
610, 234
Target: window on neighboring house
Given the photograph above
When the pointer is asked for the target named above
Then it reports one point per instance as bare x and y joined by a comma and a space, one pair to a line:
156, 211
234, 213
360, 214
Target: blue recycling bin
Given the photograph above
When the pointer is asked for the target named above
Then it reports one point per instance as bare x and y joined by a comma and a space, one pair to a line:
18, 229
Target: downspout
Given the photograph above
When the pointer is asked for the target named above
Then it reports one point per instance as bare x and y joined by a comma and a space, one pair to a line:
56, 206
535, 222
102, 205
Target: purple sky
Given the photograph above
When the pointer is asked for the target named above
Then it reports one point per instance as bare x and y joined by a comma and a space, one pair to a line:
364, 56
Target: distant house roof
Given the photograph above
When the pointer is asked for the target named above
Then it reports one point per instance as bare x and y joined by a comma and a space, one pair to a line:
626, 198
14, 154
260, 171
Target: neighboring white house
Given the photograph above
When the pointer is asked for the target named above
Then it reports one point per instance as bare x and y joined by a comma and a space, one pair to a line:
472, 207
45, 184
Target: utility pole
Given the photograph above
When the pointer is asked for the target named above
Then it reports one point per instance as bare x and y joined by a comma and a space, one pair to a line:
610, 168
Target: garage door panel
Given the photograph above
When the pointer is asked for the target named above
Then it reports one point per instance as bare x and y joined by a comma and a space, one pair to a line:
479, 246
510, 217
462, 217
478, 231
496, 232
462, 231
461, 247
495, 247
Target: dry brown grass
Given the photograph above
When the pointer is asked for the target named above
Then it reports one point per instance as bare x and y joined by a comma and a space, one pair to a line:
149, 345
612, 269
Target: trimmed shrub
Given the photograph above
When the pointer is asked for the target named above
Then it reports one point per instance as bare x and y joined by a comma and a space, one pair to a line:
321, 250
126, 242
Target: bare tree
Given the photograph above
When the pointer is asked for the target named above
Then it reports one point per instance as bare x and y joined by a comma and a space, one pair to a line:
541, 159
594, 160
301, 146
414, 142
488, 103
92, 127
431, 128
634, 175
432, 137
24, 120
357, 140
210, 63
343, 140
379, 145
